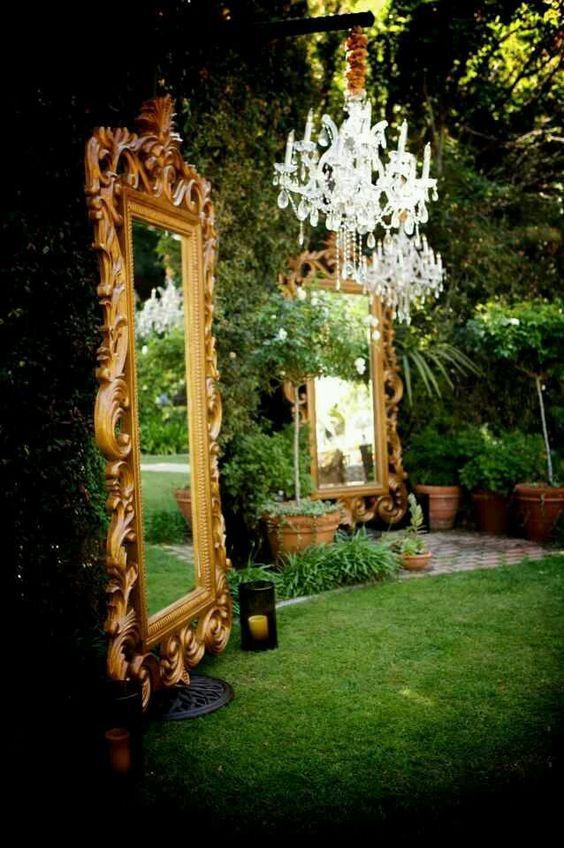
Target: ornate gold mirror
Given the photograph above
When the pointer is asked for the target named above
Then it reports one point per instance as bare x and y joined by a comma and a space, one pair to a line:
155, 238
355, 448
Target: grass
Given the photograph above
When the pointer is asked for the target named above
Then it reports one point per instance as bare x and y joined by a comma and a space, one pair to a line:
403, 708
163, 521
167, 578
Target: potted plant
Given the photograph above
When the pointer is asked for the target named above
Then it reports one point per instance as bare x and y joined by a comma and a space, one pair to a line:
494, 465
183, 499
414, 554
433, 461
297, 340
529, 334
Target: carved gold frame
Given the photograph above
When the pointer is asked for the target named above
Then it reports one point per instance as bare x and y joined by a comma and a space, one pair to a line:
143, 176
386, 498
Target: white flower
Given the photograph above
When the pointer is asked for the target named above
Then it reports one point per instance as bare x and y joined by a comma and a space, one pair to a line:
282, 334
360, 364
232, 354
144, 350
376, 335
314, 300
514, 321
301, 293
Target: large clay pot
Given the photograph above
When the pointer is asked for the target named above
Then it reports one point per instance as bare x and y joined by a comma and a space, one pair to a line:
491, 512
443, 502
538, 509
293, 533
184, 502
416, 562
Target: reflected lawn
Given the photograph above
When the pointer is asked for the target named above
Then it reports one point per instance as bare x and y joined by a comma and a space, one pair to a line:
168, 575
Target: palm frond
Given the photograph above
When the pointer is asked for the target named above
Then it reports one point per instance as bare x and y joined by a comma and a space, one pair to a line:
431, 362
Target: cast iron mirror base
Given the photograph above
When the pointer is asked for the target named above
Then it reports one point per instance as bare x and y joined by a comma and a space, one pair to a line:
203, 695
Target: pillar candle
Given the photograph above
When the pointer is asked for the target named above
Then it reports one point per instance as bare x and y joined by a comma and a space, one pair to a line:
119, 749
258, 625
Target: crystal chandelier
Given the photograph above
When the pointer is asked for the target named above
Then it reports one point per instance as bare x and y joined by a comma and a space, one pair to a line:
343, 179
403, 270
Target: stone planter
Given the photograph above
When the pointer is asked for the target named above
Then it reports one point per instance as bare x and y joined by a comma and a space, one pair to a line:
416, 562
293, 533
443, 503
538, 509
491, 512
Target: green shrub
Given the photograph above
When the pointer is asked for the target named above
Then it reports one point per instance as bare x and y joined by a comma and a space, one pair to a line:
161, 382
435, 458
530, 335
260, 467
160, 436
345, 562
304, 507
497, 463
164, 527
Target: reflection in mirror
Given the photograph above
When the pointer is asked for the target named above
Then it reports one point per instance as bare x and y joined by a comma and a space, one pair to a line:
161, 349
345, 415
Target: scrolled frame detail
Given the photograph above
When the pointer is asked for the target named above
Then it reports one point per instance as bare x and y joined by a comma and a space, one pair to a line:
149, 163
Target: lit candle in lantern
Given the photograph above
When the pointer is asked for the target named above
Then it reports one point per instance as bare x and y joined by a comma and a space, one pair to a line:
258, 625
119, 748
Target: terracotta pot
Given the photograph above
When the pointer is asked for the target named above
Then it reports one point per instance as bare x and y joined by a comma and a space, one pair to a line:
538, 508
416, 562
491, 512
443, 502
293, 533
184, 501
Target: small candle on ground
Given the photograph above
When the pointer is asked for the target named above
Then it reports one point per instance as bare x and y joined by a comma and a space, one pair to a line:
119, 749
258, 625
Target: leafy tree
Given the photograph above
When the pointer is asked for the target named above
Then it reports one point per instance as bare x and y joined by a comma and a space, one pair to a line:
530, 335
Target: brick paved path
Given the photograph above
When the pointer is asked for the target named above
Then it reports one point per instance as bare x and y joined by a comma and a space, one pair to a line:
459, 550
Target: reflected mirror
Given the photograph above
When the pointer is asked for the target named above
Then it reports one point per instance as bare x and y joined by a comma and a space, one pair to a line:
345, 412
352, 413
162, 345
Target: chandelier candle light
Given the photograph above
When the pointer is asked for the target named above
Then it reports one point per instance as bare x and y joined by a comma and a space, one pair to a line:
348, 184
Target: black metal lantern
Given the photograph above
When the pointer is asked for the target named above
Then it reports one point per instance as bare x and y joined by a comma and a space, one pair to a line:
258, 615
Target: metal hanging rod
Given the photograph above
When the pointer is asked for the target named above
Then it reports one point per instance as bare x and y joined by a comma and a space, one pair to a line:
291, 27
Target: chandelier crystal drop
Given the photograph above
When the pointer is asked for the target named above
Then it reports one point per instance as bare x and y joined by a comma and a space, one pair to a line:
342, 177
404, 270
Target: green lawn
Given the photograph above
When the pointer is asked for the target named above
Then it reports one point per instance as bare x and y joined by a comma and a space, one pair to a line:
398, 708
167, 577
162, 518
157, 488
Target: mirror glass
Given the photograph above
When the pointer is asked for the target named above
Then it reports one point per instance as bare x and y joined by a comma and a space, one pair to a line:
344, 406
161, 347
